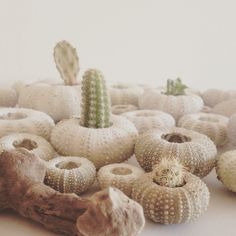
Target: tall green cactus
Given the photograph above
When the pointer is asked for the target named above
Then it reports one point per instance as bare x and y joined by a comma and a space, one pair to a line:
96, 108
175, 87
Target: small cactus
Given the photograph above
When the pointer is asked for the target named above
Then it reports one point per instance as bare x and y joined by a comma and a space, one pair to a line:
175, 87
96, 107
169, 173
67, 62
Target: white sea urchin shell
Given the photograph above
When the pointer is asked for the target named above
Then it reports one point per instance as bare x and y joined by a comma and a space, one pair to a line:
33, 143
212, 125
192, 149
102, 146
122, 94
177, 106
226, 169
119, 175
20, 120
168, 205
70, 174
149, 119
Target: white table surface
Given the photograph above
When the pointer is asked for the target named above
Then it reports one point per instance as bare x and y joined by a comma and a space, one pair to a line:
219, 220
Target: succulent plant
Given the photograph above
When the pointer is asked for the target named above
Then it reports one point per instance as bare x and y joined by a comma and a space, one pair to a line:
96, 108
175, 87
169, 173
67, 62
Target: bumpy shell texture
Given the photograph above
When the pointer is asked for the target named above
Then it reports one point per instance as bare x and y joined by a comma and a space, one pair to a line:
225, 108
58, 101
212, 125
211, 97
119, 175
70, 174
67, 62
167, 205
8, 97
20, 120
226, 169
101, 146
32, 143
119, 109
96, 108
123, 94
149, 119
177, 106
192, 149
231, 129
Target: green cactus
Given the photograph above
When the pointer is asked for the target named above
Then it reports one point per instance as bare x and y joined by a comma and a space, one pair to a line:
175, 87
96, 108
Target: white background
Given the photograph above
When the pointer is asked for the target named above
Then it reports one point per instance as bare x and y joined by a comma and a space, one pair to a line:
129, 40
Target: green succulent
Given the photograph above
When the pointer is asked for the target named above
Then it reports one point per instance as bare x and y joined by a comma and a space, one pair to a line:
175, 87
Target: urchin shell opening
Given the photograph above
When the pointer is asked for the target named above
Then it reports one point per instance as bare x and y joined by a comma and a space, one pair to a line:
25, 143
209, 119
68, 165
13, 116
110, 125
176, 138
121, 171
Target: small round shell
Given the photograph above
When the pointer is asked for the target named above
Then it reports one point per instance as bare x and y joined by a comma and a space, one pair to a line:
120, 176
70, 174
231, 129
226, 169
149, 119
167, 205
8, 97
122, 94
20, 120
225, 108
33, 143
194, 150
102, 146
212, 125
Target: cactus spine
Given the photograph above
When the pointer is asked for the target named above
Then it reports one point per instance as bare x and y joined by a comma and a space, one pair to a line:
67, 62
175, 87
96, 108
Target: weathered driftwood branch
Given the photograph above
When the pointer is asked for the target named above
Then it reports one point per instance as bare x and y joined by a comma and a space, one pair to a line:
108, 212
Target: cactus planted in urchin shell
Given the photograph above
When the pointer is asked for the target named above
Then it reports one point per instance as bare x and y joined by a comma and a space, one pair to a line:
175, 87
169, 173
96, 109
67, 62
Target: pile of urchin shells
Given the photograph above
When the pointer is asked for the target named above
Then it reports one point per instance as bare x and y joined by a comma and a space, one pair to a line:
84, 130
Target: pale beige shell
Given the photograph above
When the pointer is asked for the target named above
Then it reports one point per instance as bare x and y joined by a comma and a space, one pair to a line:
33, 143
123, 93
119, 109
211, 97
149, 119
58, 101
101, 146
171, 205
226, 169
212, 125
177, 106
231, 129
119, 175
68, 174
20, 120
8, 97
194, 150
225, 108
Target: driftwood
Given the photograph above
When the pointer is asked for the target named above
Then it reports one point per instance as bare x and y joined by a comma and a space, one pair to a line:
106, 213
